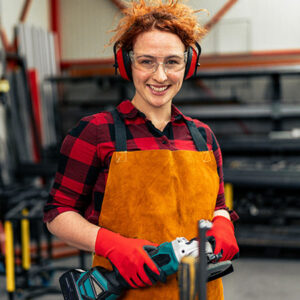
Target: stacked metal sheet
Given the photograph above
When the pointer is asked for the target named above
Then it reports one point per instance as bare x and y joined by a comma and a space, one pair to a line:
37, 46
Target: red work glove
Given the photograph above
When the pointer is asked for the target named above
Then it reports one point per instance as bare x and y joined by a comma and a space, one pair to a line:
129, 257
222, 238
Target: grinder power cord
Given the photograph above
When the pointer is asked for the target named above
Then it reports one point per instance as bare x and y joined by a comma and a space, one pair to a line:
99, 283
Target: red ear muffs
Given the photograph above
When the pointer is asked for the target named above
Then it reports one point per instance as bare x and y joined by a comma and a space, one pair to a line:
123, 63
192, 61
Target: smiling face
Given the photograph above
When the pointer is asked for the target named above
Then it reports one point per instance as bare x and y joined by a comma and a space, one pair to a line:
157, 89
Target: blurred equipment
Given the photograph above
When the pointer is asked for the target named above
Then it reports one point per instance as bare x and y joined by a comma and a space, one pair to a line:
27, 165
24, 271
265, 174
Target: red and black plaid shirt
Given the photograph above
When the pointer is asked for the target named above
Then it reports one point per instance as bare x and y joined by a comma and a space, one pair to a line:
86, 151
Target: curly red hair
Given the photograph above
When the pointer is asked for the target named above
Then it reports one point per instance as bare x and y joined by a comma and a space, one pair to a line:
171, 16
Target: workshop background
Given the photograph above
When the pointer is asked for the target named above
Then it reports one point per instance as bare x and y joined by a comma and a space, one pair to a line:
55, 68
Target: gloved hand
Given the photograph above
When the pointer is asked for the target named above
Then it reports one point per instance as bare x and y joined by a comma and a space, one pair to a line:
129, 257
222, 238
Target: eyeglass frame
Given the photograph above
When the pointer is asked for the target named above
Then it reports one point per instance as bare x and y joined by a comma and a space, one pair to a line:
131, 56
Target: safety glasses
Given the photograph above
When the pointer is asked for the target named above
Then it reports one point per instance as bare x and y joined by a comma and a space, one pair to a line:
150, 64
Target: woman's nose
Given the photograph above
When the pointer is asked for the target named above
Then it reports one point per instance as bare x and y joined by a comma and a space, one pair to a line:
160, 73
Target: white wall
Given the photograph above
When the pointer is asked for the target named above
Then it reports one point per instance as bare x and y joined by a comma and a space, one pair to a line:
85, 25
250, 25
10, 11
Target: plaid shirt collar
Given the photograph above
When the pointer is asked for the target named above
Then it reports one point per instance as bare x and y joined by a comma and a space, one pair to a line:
129, 111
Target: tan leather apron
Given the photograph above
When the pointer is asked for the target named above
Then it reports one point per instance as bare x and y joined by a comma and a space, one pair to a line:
159, 195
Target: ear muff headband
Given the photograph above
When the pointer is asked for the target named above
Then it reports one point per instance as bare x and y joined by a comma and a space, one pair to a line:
123, 63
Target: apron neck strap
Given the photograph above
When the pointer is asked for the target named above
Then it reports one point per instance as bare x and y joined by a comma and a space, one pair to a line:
120, 132
121, 138
197, 137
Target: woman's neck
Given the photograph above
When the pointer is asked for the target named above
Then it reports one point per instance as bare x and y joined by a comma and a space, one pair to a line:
159, 122
159, 116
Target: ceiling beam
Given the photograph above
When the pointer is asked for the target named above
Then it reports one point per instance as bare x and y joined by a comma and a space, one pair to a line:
25, 11
217, 17
118, 4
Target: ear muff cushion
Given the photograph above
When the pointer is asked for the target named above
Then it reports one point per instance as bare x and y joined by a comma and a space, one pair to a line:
191, 63
123, 63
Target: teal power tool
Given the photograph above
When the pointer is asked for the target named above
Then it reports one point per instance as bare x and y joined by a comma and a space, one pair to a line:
99, 283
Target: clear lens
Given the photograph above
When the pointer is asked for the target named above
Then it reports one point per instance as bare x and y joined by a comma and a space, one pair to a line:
148, 63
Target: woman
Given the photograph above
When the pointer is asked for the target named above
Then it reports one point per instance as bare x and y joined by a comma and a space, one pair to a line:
150, 170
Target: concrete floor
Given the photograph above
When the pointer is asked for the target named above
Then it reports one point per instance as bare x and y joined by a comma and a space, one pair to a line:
253, 279
263, 279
